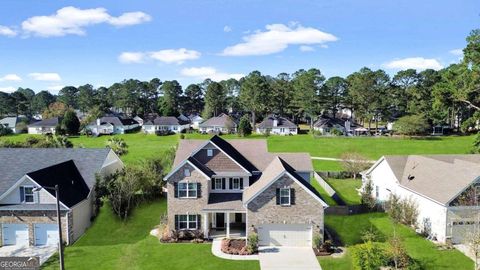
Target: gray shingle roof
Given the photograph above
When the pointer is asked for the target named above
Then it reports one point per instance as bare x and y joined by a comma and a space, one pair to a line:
222, 120
10, 122
166, 121
30, 206
225, 201
325, 121
51, 122
282, 122
116, 121
17, 162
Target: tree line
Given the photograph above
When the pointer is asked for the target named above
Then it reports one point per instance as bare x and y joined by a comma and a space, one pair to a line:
450, 96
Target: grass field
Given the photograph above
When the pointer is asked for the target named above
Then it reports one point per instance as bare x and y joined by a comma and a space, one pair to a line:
346, 189
350, 228
113, 244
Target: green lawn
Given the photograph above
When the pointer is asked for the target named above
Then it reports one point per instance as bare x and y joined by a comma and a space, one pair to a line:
322, 192
350, 228
347, 189
113, 244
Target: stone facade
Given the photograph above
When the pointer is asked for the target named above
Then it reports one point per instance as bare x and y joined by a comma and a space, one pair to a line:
32, 217
182, 206
264, 210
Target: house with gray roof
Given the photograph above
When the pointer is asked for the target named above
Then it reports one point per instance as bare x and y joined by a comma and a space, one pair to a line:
108, 125
165, 124
277, 125
326, 124
236, 187
223, 123
28, 208
46, 126
11, 123
445, 188
195, 121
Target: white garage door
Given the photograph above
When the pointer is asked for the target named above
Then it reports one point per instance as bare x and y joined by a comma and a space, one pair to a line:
46, 234
15, 234
293, 235
460, 230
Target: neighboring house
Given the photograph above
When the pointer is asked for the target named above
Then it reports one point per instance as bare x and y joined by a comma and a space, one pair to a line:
277, 125
219, 124
166, 124
46, 126
326, 124
28, 210
446, 189
112, 125
236, 187
195, 121
11, 123
139, 120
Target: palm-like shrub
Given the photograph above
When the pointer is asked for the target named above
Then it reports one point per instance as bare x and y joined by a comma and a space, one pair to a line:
118, 145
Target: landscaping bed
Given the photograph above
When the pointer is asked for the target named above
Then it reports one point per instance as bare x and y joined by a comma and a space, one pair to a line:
235, 247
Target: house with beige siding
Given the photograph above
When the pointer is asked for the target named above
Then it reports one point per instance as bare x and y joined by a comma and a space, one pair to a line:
445, 188
236, 187
28, 207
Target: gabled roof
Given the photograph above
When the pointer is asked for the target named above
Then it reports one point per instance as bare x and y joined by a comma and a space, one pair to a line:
51, 122
10, 122
72, 187
201, 167
116, 121
233, 153
282, 122
326, 121
225, 201
277, 168
166, 121
223, 120
440, 178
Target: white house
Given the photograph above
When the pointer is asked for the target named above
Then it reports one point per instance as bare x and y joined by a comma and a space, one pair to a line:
326, 124
139, 120
46, 126
222, 123
11, 123
108, 125
446, 189
277, 125
166, 124
195, 121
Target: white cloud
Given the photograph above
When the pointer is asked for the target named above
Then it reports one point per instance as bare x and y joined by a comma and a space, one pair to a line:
456, 52
277, 38
305, 48
72, 20
8, 89
418, 63
52, 77
131, 57
227, 29
209, 72
7, 31
10, 77
175, 55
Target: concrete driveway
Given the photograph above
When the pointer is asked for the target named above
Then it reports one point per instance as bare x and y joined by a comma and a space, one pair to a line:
291, 258
44, 252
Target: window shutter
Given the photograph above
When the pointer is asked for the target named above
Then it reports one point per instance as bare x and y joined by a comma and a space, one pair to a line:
278, 196
213, 183
175, 191
223, 183
292, 196
22, 194
241, 183
199, 222
199, 190
230, 183
176, 222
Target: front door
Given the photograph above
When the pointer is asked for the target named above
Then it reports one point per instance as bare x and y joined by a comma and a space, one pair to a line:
220, 217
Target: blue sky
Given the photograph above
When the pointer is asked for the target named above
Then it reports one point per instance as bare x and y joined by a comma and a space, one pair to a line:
56, 43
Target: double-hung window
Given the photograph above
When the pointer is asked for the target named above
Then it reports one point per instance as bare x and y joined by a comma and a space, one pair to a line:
218, 183
285, 196
236, 183
28, 194
187, 190
188, 222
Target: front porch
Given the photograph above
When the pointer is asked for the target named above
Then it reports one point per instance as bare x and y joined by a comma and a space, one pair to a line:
224, 224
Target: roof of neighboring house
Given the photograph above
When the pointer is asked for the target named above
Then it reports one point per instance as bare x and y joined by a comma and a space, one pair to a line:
254, 150
72, 187
30, 206
225, 201
439, 177
10, 122
327, 121
166, 121
223, 120
184, 118
195, 117
51, 122
116, 121
276, 168
282, 122
17, 162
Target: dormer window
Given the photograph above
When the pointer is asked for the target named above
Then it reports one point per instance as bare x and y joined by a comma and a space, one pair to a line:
209, 152
26, 194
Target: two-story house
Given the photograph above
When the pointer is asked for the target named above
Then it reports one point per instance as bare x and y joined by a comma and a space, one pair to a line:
232, 188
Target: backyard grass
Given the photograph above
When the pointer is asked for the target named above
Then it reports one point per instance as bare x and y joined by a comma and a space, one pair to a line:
322, 192
350, 228
346, 189
113, 244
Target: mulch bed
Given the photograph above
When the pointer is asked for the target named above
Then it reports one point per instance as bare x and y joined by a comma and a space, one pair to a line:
234, 246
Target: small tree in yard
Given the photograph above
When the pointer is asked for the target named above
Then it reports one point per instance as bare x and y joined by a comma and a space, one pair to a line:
354, 163
244, 127
397, 252
252, 243
411, 125
70, 123
118, 145
366, 195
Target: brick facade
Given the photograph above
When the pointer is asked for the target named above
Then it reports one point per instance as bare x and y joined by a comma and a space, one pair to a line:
264, 210
218, 162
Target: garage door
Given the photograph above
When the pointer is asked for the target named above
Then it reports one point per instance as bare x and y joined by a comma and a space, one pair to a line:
460, 229
46, 234
293, 235
15, 234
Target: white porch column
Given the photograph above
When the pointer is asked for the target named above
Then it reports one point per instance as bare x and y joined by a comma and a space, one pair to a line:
228, 224
205, 225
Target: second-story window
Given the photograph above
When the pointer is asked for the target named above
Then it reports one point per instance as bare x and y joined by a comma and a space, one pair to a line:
218, 183
285, 196
236, 183
187, 190
28, 194
209, 152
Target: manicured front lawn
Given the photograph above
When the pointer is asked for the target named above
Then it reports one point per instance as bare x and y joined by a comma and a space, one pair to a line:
113, 244
347, 189
350, 228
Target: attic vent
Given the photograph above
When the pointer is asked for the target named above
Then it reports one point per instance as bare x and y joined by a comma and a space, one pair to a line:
410, 177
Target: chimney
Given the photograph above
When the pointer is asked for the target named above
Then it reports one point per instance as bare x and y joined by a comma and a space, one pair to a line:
275, 122
98, 122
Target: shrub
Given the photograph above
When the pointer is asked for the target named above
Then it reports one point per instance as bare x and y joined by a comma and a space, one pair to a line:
336, 132
368, 256
317, 240
369, 235
182, 136
366, 196
252, 243
397, 253
118, 145
403, 211
354, 163
244, 127
411, 125
5, 130
71, 123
